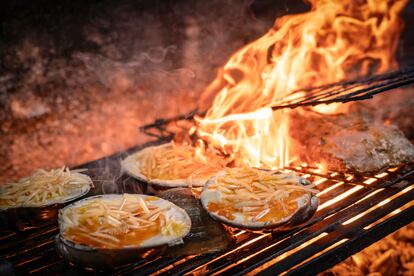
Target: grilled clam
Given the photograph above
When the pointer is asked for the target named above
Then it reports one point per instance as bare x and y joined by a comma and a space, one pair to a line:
172, 165
259, 200
35, 200
106, 231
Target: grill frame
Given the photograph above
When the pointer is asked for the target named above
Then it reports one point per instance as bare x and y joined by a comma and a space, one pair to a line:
34, 251
349, 90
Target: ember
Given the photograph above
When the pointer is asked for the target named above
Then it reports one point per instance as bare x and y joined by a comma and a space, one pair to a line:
393, 255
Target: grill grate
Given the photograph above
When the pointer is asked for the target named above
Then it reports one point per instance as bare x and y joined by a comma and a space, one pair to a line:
346, 91
352, 90
354, 212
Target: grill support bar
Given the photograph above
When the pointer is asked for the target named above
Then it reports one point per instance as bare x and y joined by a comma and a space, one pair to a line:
34, 251
353, 246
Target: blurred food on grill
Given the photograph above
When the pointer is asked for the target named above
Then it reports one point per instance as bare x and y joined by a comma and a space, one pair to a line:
174, 165
393, 255
393, 108
43, 188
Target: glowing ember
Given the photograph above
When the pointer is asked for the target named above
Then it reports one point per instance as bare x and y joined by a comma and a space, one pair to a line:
336, 40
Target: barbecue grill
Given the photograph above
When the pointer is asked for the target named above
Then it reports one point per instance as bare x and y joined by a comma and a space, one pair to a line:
354, 212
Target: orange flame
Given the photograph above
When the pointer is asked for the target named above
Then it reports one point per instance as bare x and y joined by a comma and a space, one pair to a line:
334, 41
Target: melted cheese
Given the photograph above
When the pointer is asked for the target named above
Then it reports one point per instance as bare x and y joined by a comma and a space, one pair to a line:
127, 220
255, 195
44, 187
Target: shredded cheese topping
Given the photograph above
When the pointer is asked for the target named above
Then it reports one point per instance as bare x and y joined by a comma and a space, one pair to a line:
43, 187
116, 222
172, 161
259, 196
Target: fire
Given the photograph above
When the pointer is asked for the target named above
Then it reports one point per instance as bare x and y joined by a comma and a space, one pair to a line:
334, 41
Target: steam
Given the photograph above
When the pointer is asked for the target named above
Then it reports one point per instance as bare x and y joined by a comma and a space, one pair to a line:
154, 55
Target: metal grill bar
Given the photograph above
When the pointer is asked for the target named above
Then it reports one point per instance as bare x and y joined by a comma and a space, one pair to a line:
344, 232
331, 233
354, 245
354, 90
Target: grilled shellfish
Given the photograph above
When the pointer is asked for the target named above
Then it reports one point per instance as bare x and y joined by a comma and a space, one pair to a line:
34, 200
105, 231
172, 165
259, 200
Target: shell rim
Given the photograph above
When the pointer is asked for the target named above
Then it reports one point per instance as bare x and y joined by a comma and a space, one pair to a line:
84, 247
82, 191
130, 165
257, 226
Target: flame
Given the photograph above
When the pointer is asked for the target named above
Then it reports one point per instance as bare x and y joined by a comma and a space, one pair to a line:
334, 41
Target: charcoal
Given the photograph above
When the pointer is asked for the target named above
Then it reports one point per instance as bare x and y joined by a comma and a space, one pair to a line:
395, 107
206, 235
346, 142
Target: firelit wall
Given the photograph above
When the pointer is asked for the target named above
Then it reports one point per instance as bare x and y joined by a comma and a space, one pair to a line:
78, 78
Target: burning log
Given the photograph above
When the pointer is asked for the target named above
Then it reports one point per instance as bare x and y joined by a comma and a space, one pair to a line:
171, 165
344, 142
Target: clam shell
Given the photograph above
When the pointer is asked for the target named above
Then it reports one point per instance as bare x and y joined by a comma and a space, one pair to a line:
31, 216
130, 165
108, 258
102, 259
307, 205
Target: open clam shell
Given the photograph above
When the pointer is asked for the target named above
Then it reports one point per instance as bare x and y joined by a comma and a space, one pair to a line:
102, 259
30, 215
131, 165
307, 204
107, 258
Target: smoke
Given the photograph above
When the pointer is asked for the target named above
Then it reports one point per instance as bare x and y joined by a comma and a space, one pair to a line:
76, 86
154, 55
108, 178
